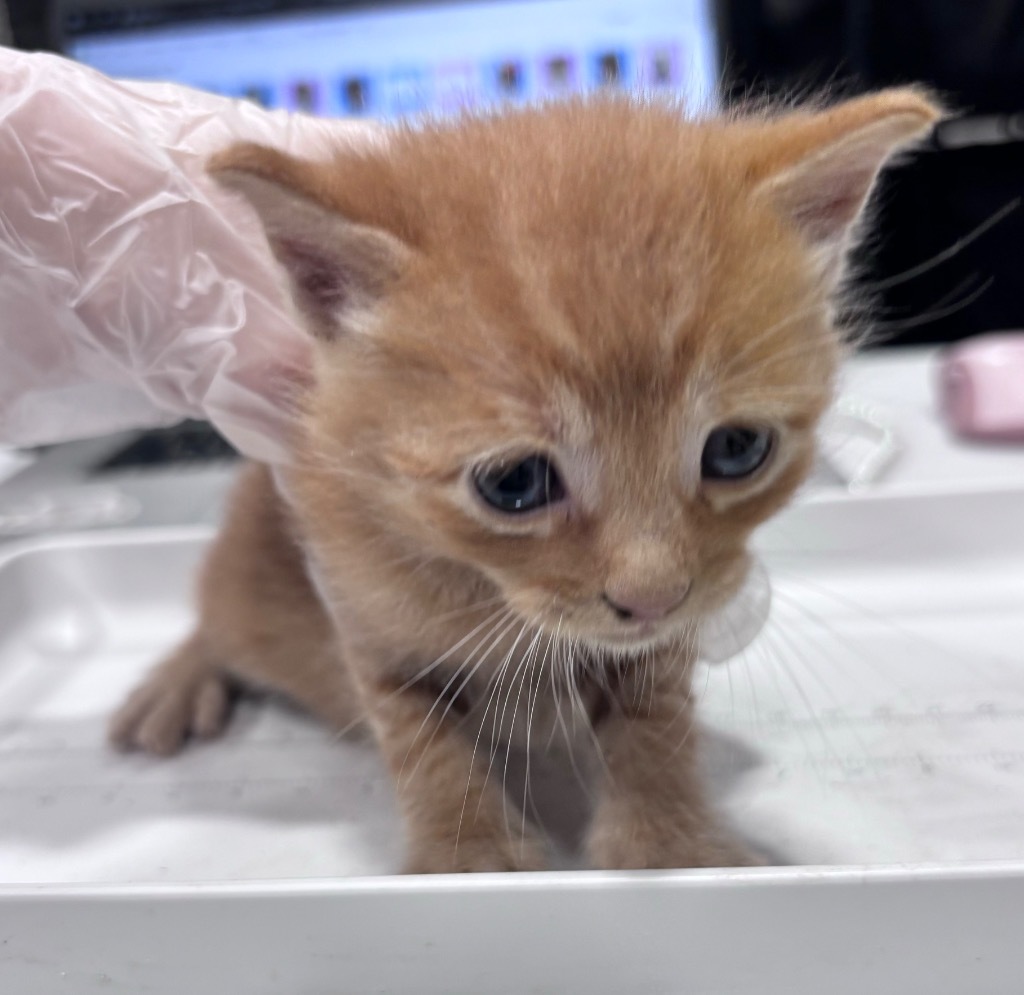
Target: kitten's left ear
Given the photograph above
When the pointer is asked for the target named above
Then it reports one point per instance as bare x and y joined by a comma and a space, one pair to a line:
339, 269
819, 168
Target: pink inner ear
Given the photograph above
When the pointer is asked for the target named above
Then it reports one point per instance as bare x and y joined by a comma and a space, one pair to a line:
322, 283
827, 212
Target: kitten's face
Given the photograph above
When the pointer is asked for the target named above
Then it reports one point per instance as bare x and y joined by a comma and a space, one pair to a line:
601, 462
598, 352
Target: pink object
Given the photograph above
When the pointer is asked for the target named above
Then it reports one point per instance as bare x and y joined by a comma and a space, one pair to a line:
133, 291
981, 387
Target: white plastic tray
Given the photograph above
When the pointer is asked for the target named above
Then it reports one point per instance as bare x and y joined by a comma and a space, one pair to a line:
877, 726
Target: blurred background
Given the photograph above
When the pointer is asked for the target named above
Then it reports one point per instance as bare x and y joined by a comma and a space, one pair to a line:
389, 59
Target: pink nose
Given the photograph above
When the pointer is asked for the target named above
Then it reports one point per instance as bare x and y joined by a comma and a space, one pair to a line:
645, 606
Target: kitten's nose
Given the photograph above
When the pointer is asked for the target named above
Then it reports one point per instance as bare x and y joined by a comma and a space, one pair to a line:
645, 606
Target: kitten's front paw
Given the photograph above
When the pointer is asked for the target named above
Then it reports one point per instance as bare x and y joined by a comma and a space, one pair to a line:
639, 844
181, 698
478, 855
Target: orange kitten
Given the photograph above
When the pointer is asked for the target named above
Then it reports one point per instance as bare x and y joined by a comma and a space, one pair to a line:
567, 359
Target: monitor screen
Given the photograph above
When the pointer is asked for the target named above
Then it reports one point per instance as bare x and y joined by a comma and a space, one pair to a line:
390, 60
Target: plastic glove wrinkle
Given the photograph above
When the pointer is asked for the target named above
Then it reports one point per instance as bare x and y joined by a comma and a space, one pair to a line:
127, 270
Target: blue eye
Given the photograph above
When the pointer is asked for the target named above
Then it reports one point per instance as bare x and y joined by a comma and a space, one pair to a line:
732, 452
521, 487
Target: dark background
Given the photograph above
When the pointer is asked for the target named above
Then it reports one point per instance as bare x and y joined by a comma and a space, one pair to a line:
971, 53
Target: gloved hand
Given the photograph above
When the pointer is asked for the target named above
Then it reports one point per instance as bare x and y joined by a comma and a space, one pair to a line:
133, 291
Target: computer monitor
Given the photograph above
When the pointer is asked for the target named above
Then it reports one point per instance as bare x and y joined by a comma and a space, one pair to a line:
389, 60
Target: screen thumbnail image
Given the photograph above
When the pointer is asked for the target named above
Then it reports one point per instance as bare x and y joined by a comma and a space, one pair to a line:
356, 95
304, 95
558, 73
610, 67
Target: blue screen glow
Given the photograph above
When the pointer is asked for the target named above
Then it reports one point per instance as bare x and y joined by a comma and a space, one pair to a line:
389, 61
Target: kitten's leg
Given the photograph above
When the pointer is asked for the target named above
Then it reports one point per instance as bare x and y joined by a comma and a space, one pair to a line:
261, 626
191, 696
185, 696
455, 820
650, 811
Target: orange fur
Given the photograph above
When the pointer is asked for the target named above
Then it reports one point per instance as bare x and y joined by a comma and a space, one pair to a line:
600, 281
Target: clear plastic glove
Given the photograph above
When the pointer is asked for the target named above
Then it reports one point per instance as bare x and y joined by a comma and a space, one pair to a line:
133, 291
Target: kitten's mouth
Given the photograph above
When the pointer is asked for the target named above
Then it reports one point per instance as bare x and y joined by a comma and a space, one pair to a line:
634, 631
635, 636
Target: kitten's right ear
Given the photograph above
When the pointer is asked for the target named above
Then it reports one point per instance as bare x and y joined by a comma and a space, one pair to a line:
338, 269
